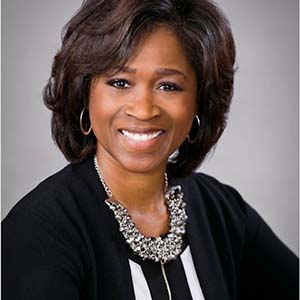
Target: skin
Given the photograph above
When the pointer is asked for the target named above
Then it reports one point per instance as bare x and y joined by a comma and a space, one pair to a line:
147, 96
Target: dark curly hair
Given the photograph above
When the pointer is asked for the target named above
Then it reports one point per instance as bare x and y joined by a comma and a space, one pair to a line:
102, 36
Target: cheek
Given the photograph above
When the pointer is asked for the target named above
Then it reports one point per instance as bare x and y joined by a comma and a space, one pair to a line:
182, 121
184, 112
185, 123
100, 111
101, 104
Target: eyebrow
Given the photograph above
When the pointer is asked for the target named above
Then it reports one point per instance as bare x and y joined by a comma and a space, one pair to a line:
159, 71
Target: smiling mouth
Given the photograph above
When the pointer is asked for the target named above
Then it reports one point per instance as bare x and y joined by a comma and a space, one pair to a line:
141, 136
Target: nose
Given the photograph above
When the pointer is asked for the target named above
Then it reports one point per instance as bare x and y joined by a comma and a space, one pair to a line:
143, 106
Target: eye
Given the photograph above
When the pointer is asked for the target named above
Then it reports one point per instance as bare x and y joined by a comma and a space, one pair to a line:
169, 87
119, 83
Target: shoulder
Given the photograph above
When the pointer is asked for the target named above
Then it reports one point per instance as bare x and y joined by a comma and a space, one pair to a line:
215, 193
223, 202
45, 234
50, 189
209, 183
55, 200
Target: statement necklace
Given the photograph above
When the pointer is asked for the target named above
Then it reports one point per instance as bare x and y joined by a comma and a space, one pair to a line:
158, 249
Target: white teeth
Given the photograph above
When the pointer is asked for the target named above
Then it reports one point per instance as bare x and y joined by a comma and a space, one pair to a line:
141, 136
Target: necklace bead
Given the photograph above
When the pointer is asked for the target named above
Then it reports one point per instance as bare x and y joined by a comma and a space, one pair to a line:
161, 249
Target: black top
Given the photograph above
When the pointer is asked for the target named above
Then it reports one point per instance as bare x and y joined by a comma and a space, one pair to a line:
61, 242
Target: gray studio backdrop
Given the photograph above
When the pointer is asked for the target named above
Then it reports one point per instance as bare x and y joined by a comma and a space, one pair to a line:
258, 153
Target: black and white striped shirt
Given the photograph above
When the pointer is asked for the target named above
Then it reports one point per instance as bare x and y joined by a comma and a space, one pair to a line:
149, 282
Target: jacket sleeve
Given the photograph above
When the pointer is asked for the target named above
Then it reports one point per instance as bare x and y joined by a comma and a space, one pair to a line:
269, 270
36, 262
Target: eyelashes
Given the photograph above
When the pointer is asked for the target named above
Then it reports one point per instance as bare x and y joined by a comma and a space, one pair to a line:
118, 83
170, 87
122, 84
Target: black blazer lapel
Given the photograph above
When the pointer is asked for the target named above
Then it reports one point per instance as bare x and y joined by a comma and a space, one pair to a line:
202, 246
112, 273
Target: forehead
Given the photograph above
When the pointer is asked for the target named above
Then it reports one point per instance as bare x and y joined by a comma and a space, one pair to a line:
161, 47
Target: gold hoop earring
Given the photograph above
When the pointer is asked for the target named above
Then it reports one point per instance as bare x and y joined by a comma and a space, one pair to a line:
194, 140
85, 132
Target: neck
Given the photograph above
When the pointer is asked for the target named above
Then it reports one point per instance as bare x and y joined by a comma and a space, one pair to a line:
142, 192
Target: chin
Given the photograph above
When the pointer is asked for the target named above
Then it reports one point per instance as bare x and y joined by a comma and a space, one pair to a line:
143, 165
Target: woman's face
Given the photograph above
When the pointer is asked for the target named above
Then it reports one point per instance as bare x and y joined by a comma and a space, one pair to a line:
143, 113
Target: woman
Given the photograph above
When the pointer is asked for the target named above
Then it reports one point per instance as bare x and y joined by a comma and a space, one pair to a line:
139, 92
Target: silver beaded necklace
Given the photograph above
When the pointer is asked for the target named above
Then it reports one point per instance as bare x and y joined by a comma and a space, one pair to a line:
158, 249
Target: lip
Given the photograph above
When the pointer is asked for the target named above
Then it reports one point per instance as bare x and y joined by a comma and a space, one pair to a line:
141, 145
